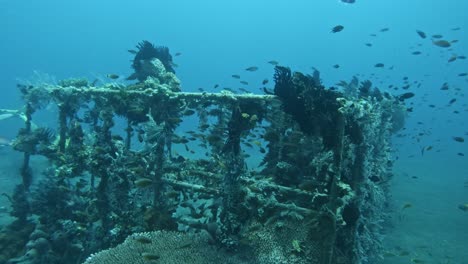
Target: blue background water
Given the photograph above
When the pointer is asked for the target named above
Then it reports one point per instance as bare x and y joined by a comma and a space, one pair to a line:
219, 38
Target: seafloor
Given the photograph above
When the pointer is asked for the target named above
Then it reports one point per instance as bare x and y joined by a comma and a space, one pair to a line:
433, 229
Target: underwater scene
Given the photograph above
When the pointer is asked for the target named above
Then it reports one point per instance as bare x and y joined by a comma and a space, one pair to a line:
320, 131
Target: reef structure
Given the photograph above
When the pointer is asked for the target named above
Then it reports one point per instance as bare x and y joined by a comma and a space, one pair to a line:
120, 166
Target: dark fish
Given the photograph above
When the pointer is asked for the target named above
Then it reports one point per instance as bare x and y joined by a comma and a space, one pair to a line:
185, 245
452, 101
406, 206
463, 207
441, 43
454, 41
384, 29
143, 183
112, 76
267, 91
456, 28
216, 86
459, 139
273, 62
421, 34
437, 36
379, 65
349, 1
177, 54
368, 44
265, 81
444, 87
149, 256
235, 76
461, 57
252, 68
143, 239
337, 29
462, 74
244, 82
189, 112
405, 96
132, 51
416, 53
452, 59
460, 154
336, 66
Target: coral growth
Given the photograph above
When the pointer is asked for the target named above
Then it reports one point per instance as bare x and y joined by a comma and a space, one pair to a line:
122, 162
309, 103
164, 247
144, 57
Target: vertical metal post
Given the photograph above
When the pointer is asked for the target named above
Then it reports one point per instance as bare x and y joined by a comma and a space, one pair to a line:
128, 139
329, 252
25, 169
62, 127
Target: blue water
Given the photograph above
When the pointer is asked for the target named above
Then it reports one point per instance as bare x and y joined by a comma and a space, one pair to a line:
219, 38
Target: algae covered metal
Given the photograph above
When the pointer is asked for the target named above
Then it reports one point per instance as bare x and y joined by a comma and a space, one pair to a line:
172, 178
